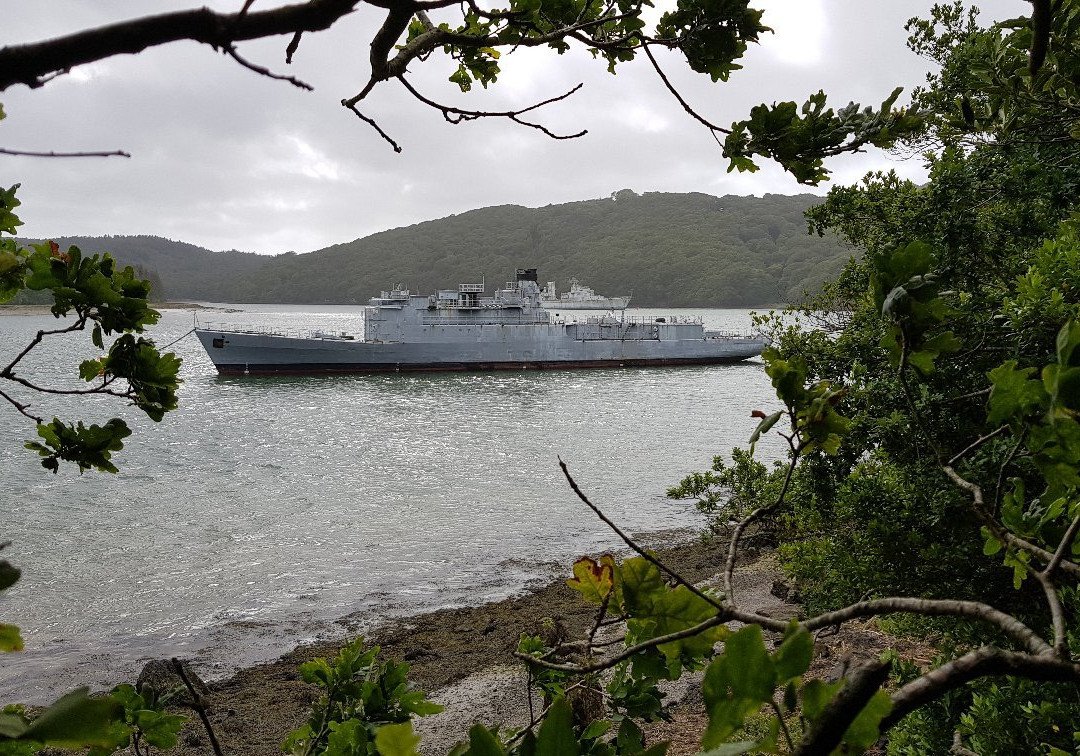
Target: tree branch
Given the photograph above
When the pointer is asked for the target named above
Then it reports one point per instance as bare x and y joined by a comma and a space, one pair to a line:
713, 128
36, 63
51, 154
1008, 624
982, 662
979, 506
736, 536
22, 408
827, 731
457, 115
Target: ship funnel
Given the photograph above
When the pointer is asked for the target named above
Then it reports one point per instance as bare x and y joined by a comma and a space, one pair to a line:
526, 274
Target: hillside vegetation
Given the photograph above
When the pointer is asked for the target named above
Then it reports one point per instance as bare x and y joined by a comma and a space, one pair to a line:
667, 249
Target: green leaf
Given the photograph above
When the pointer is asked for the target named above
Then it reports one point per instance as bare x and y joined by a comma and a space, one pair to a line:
9, 574
10, 639
732, 749
816, 695
482, 742
766, 424
415, 702
397, 740
630, 738
595, 729
736, 684
348, 738
76, 721
1014, 393
792, 659
863, 731
556, 736
159, 728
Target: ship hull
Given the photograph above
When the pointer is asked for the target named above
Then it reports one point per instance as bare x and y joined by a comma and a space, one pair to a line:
486, 348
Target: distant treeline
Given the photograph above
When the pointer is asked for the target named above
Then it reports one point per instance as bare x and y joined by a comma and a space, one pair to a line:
667, 249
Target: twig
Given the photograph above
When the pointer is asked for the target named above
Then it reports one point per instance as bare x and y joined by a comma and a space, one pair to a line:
1004, 465
783, 724
977, 443
1046, 579
197, 705
458, 115
1005, 536
231, 51
736, 536
628, 652
78, 325
22, 408
370, 122
294, 45
37, 63
712, 127
633, 544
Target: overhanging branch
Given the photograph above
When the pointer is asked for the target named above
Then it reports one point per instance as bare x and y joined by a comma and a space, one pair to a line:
36, 63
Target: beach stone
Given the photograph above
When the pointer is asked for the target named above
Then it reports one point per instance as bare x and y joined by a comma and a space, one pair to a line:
783, 612
420, 653
785, 591
161, 675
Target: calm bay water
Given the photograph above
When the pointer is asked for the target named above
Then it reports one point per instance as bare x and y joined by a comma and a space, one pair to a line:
266, 512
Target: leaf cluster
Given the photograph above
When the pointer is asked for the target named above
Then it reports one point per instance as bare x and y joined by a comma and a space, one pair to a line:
112, 302
366, 706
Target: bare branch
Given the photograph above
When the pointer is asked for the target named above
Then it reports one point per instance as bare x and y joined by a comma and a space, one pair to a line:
458, 115
231, 51
712, 127
371, 122
293, 46
642, 552
1066, 543
197, 705
37, 63
77, 325
99, 390
1008, 624
1057, 612
22, 408
626, 653
736, 536
977, 443
51, 154
1003, 535
982, 662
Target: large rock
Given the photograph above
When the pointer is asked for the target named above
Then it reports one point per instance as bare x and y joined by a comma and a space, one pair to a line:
785, 591
161, 675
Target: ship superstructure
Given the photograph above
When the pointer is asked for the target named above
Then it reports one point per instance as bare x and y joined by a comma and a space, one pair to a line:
580, 297
467, 329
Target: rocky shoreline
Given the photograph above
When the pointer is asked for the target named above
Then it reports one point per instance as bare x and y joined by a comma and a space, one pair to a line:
461, 657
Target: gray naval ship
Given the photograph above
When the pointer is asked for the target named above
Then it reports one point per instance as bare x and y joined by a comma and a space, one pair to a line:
468, 330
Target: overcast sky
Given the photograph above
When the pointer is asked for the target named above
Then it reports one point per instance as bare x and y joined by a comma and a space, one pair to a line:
226, 159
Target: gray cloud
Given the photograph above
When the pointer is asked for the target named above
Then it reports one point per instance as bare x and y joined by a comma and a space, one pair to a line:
226, 159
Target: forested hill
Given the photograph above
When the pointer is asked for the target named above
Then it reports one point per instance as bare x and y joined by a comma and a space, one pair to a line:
668, 249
